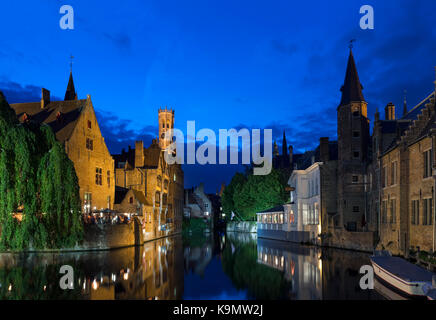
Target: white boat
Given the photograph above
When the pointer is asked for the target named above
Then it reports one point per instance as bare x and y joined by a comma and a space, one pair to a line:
431, 294
403, 276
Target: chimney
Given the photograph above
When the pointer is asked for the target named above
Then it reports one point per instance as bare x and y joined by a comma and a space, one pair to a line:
390, 111
139, 153
45, 98
324, 149
377, 115
291, 154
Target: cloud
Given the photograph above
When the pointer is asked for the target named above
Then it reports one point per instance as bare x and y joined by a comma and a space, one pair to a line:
120, 40
118, 134
17, 93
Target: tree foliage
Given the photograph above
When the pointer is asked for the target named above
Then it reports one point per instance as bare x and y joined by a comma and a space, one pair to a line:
249, 194
37, 179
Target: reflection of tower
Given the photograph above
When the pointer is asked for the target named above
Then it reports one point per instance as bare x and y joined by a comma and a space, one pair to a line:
166, 122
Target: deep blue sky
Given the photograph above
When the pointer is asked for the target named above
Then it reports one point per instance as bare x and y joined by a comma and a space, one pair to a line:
255, 64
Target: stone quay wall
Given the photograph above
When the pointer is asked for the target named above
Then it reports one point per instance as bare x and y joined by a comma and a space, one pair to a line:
359, 241
244, 226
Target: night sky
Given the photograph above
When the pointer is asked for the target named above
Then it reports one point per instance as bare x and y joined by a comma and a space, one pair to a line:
224, 64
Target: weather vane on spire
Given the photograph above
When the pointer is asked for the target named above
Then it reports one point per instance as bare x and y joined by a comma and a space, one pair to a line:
71, 62
351, 43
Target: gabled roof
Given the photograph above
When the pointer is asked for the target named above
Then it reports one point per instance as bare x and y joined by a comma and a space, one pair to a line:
352, 88
61, 116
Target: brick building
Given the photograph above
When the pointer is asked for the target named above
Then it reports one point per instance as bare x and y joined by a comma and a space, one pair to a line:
157, 189
405, 154
75, 125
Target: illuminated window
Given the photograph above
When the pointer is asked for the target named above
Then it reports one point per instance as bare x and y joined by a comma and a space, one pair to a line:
98, 176
89, 144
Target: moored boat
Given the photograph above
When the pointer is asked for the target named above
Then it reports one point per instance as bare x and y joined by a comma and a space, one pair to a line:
403, 276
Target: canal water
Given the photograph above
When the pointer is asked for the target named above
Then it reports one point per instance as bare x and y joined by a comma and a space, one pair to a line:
233, 266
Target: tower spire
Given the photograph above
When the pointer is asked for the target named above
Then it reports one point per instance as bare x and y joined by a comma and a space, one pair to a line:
405, 103
70, 94
284, 145
352, 88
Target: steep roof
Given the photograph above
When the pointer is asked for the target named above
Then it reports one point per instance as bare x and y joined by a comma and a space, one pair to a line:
352, 88
61, 116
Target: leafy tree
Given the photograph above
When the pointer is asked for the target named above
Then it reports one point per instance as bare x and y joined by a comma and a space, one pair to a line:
260, 192
251, 194
37, 178
227, 201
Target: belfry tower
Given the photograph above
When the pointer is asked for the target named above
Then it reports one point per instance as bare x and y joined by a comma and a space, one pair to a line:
166, 122
353, 148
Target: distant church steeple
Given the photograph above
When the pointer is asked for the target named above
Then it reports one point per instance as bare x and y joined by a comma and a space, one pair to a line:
284, 145
352, 88
405, 103
71, 94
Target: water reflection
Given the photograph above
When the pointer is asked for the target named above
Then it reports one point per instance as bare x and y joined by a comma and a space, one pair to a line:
232, 266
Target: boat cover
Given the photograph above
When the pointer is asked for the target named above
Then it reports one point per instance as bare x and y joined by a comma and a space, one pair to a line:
403, 269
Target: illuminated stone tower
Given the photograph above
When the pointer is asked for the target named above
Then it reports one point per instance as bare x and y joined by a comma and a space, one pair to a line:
353, 143
166, 122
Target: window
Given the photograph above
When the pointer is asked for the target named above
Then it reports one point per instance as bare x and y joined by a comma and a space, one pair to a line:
165, 199
427, 163
394, 173
427, 212
384, 213
355, 179
356, 114
415, 212
292, 217
384, 177
88, 202
98, 175
356, 154
356, 134
89, 124
157, 198
393, 208
166, 184
131, 200
89, 144
356, 209
109, 179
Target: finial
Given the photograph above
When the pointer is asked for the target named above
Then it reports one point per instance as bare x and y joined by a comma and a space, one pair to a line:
351, 43
71, 62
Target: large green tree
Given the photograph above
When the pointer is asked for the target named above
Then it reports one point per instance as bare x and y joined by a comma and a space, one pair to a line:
249, 194
38, 179
227, 201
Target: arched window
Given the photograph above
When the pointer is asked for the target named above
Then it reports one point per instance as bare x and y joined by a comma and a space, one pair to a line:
164, 199
157, 198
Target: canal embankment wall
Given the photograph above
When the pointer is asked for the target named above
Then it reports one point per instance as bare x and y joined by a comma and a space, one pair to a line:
358, 241
110, 236
242, 226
